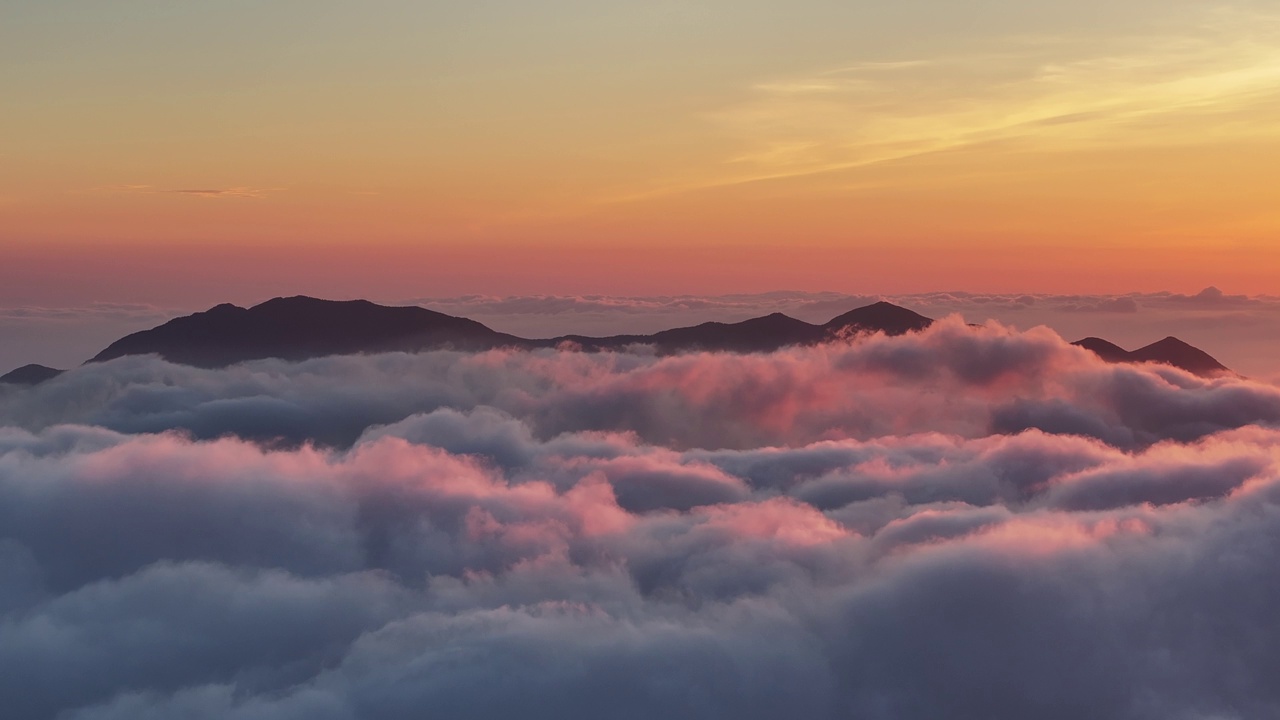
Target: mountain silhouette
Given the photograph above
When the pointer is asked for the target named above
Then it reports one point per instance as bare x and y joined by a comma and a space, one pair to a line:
1172, 351
300, 328
1108, 351
882, 316
30, 375
764, 334
1169, 351
761, 334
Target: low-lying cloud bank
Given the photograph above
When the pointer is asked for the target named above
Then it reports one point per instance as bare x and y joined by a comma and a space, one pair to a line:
962, 524
1237, 329
952, 379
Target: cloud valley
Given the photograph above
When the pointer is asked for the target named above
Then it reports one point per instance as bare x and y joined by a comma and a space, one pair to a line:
969, 523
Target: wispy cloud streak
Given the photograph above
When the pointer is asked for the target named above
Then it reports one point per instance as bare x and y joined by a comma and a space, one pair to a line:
1180, 86
228, 192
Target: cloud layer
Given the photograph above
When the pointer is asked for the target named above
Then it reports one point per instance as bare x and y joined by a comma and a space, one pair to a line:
959, 523
952, 379
1237, 329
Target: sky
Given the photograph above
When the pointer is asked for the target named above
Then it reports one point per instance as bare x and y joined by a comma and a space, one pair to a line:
188, 153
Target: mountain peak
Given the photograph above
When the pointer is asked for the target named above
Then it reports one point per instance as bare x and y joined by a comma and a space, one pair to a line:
759, 334
1176, 352
304, 301
1104, 349
30, 375
1169, 351
301, 327
882, 316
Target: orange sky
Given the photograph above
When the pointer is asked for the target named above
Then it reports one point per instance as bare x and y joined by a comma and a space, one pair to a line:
189, 152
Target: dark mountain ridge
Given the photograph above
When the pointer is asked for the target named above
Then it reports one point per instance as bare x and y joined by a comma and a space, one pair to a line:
760, 334
881, 316
300, 328
1169, 351
30, 375
1104, 349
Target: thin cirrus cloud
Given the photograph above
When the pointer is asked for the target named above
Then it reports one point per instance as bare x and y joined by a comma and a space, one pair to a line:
229, 192
235, 192
811, 531
1180, 85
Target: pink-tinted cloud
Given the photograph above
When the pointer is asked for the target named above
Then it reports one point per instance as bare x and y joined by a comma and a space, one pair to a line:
952, 379
961, 523
397, 573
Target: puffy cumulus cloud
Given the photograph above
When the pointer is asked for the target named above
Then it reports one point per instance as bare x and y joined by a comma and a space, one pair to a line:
1026, 575
969, 523
952, 378
1209, 298
1236, 329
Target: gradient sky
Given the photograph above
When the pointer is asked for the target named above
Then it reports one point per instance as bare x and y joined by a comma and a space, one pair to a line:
194, 152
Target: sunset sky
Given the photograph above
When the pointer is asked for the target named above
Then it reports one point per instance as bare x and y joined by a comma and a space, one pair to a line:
195, 152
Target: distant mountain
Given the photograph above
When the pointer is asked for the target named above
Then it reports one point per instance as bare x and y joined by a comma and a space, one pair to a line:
298, 328
761, 334
1172, 351
1108, 351
30, 375
882, 316
1169, 351
764, 334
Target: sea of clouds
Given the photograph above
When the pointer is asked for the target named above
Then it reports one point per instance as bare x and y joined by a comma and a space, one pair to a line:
1239, 330
962, 523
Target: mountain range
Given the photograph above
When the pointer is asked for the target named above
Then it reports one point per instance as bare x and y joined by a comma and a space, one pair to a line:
1169, 351
298, 328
